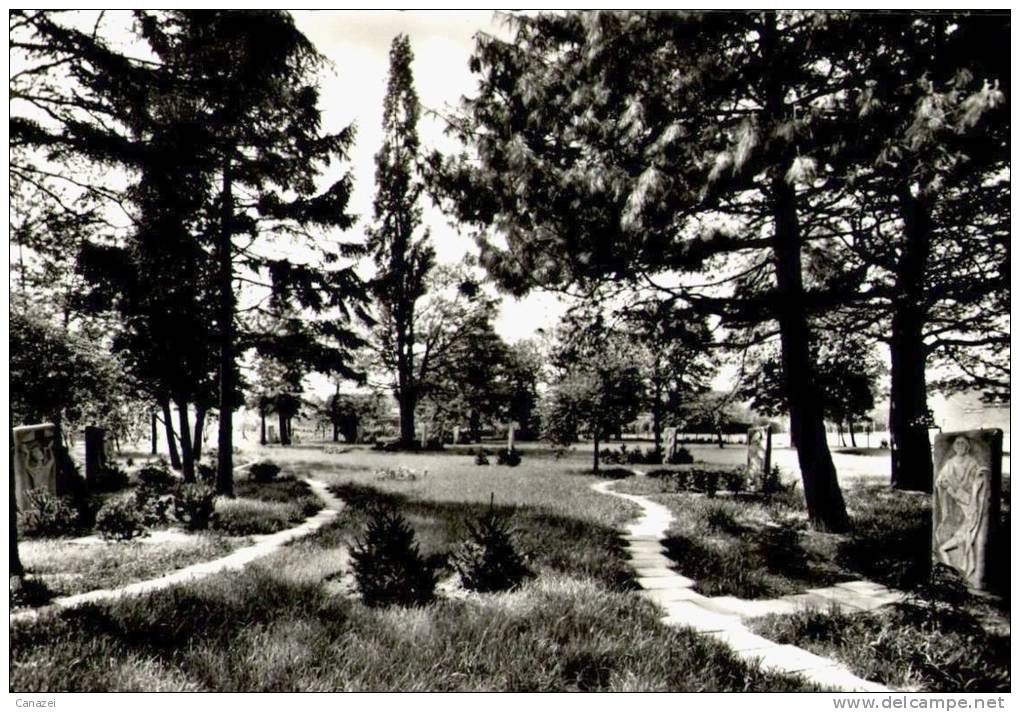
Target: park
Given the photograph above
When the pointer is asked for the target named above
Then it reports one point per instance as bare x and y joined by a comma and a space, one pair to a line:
595, 351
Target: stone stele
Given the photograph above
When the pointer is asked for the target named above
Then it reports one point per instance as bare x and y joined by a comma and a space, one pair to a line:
35, 460
965, 506
759, 454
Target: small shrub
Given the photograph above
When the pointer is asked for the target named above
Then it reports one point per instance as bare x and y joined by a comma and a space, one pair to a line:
47, 515
194, 505
206, 473
615, 473
157, 476
711, 482
720, 518
28, 592
263, 471
120, 520
510, 458
481, 458
488, 560
773, 483
682, 456
388, 566
699, 480
153, 505
734, 480
111, 479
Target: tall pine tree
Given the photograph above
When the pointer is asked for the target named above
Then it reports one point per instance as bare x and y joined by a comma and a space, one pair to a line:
402, 259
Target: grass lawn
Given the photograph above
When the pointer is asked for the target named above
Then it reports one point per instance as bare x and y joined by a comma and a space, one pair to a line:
917, 645
284, 623
751, 547
67, 568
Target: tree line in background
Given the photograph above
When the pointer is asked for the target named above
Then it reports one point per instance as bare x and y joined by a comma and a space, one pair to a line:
780, 191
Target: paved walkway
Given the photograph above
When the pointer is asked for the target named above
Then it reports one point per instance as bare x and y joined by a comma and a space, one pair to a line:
264, 544
721, 617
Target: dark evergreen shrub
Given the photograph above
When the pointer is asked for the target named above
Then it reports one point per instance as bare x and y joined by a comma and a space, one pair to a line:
388, 566
509, 458
488, 560
264, 471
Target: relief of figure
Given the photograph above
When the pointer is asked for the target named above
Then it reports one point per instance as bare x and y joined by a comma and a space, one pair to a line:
965, 480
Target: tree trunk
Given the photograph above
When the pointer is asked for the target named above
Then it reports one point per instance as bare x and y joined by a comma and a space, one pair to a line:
153, 420
825, 505
171, 438
262, 426
187, 451
839, 434
225, 316
475, 425
657, 419
908, 398
284, 434
196, 447
336, 432
595, 455
850, 428
15, 558
406, 402
718, 436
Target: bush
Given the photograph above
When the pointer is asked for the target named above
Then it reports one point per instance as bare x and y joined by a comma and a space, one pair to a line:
47, 515
509, 458
157, 476
153, 505
615, 473
711, 482
111, 479
120, 520
206, 473
263, 471
388, 566
488, 561
734, 481
481, 458
682, 456
28, 592
194, 505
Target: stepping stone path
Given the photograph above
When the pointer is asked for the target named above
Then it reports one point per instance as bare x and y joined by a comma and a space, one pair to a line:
722, 617
236, 560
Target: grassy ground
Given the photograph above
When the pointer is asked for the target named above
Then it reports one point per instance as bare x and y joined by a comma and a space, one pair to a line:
916, 646
284, 623
752, 547
67, 568
265, 507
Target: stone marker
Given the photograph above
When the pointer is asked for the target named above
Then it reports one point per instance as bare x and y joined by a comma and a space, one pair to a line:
456, 434
670, 444
759, 455
965, 506
35, 460
96, 454
273, 437
510, 436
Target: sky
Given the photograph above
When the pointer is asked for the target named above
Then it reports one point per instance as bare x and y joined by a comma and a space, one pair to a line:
357, 43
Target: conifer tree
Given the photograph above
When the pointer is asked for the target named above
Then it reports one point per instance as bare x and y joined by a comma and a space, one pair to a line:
402, 257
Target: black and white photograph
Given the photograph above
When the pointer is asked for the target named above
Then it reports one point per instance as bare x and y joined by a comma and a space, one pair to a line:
510, 351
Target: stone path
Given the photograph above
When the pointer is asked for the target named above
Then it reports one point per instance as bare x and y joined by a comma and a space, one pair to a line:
264, 544
721, 617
